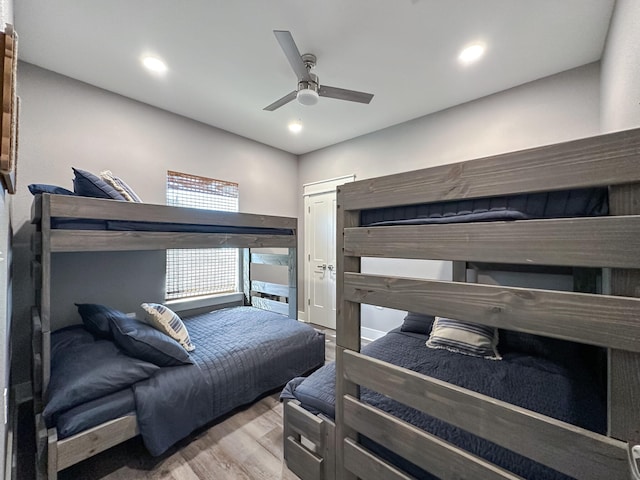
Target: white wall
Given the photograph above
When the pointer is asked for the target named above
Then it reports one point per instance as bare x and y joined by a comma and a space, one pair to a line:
621, 69
557, 108
65, 123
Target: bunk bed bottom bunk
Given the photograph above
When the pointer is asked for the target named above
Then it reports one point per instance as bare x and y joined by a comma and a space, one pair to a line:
241, 354
544, 375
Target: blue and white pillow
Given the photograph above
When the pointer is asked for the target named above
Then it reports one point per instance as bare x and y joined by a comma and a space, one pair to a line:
464, 337
168, 322
86, 184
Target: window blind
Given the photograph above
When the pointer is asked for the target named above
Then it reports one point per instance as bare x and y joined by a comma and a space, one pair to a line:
195, 272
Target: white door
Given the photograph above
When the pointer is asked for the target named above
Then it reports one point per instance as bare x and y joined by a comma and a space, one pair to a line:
321, 244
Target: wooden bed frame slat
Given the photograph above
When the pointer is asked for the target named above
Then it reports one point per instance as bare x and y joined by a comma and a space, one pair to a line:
602, 320
299, 459
270, 258
96, 208
95, 440
307, 428
569, 449
444, 460
101, 241
271, 305
300, 422
366, 465
270, 288
578, 242
601, 160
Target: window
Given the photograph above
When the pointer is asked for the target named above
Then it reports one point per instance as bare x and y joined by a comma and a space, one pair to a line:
194, 272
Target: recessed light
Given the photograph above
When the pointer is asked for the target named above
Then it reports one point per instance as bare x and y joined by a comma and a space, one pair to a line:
471, 53
295, 126
154, 64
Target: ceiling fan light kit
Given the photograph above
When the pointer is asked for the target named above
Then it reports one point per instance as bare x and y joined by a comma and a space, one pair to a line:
309, 89
307, 96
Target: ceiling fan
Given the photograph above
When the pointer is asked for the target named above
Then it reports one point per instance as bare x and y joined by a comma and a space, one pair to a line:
309, 88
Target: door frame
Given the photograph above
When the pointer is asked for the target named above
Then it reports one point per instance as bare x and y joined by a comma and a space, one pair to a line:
309, 189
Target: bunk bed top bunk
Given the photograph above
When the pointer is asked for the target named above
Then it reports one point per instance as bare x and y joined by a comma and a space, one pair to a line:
610, 320
242, 353
75, 223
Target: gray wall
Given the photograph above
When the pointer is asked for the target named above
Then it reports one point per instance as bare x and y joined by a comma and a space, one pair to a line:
6, 16
65, 123
561, 107
621, 69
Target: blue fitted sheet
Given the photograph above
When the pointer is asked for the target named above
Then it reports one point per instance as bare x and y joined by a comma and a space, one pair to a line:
241, 353
559, 204
120, 225
557, 385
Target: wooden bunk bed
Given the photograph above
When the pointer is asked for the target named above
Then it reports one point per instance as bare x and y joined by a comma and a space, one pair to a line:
54, 217
317, 447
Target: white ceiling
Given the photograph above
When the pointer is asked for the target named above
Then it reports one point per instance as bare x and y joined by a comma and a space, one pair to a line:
225, 64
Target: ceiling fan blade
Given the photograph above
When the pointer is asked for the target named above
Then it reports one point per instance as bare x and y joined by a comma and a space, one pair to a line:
342, 94
283, 101
285, 39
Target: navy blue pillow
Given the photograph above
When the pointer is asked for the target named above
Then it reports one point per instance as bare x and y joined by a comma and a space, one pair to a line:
145, 342
538, 346
96, 318
36, 188
417, 323
83, 369
87, 184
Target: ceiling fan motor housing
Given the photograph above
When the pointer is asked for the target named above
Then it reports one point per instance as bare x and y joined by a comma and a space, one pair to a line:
308, 91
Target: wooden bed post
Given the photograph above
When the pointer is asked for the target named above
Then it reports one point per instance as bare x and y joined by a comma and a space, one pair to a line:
624, 367
347, 332
293, 283
246, 275
459, 271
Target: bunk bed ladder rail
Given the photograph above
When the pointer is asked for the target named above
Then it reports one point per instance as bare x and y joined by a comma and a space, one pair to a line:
275, 297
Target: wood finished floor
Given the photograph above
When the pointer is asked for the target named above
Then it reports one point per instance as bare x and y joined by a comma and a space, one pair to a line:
245, 445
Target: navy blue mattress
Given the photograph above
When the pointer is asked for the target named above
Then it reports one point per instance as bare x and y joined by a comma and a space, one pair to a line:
121, 225
554, 383
241, 353
565, 203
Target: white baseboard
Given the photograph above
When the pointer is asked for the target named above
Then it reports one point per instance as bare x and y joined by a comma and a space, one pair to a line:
371, 334
302, 316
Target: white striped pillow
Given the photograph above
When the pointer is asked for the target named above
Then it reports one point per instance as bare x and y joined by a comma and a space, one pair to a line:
121, 187
463, 337
165, 320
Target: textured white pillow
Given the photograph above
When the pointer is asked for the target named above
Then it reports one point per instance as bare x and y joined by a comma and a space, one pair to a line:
120, 186
168, 322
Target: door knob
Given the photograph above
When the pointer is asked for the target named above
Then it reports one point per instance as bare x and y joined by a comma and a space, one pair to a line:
330, 267
323, 267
